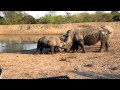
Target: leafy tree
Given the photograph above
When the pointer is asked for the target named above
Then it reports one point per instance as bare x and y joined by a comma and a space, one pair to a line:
47, 19
114, 12
19, 17
74, 18
13, 17
99, 16
68, 17
86, 17
115, 15
1, 17
1, 20
28, 19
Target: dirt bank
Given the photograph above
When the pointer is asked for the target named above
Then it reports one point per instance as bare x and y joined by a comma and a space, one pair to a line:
50, 28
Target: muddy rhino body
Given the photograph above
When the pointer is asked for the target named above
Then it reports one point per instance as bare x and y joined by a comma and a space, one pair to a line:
88, 36
51, 42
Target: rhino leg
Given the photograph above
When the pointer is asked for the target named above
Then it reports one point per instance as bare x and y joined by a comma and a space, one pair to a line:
107, 46
52, 49
81, 44
68, 48
37, 51
102, 45
38, 48
75, 48
41, 50
59, 49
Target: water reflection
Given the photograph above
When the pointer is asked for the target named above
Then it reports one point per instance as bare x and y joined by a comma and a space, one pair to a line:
12, 43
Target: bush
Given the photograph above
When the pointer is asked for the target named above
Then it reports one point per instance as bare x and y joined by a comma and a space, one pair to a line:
18, 17
28, 19
77, 18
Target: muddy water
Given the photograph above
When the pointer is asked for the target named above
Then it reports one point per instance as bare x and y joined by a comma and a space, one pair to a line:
13, 43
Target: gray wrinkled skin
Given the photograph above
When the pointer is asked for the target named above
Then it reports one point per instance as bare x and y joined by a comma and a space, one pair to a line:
78, 38
51, 42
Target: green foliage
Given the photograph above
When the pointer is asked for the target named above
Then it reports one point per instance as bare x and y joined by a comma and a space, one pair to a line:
28, 19
1, 20
1, 17
99, 16
115, 15
102, 17
49, 19
16, 17
114, 12
20, 17
86, 17
13, 17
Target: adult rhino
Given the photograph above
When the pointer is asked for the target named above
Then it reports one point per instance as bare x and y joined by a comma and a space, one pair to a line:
50, 42
87, 36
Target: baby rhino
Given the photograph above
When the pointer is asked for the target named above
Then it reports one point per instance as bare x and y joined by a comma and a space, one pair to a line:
50, 42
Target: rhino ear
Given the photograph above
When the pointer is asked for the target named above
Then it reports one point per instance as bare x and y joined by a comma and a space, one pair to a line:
67, 35
109, 32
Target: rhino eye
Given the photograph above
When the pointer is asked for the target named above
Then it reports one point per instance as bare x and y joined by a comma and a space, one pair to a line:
66, 35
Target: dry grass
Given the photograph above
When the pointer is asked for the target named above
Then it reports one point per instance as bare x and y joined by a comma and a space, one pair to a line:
50, 29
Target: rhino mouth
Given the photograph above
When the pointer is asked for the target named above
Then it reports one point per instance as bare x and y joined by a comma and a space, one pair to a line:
61, 47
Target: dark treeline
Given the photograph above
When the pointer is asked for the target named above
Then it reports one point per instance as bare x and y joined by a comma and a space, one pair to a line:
20, 17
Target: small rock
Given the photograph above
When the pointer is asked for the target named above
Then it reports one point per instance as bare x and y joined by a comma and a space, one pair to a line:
76, 68
63, 59
88, 65
114, 68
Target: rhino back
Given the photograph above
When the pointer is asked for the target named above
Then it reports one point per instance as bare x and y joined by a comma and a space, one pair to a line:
91, 36
54, 40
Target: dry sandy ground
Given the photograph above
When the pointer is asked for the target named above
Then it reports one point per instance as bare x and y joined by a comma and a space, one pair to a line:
89, 65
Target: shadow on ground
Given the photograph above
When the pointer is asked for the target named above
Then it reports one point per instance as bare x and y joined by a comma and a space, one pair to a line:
93, 75
32, 51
